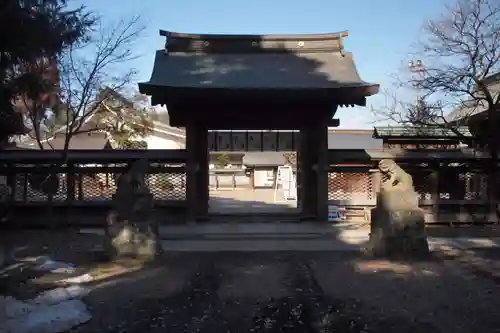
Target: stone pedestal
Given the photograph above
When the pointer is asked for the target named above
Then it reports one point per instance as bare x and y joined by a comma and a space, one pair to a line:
135, 240
131, 231
398, 225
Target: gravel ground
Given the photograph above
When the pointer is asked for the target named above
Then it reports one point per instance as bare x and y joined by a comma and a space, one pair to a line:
283, 292
329, 292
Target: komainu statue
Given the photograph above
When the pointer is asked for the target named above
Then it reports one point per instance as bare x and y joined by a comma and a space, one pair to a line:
397, 222
130, 229
395, 177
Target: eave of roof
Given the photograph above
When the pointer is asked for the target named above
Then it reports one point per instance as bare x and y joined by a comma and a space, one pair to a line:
256, 62
251, 37
419, 132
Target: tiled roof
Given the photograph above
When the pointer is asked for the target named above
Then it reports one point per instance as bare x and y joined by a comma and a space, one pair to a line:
255, 62
433, 132
95, 141
81, 141
264, 158
353, 139
472, 108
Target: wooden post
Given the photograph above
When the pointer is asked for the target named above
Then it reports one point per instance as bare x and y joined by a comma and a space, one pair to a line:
191, 171
80, 186
202, 174
197, 172
70, 183
70, 190
376, 182
12, 182
321, 135
435, 192
25, 187
252, 179
302, 165
307, 159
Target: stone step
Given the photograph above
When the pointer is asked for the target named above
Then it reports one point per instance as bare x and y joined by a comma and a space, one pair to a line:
285, 237
258, 231
306, 245
247, 245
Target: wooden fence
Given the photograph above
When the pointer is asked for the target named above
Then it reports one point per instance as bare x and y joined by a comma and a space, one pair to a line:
87, 178
452, 188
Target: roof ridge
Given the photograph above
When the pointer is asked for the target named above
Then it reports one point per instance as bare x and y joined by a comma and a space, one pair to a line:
275, 37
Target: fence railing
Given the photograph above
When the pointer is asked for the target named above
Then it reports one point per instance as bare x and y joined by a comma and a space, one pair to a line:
451, 189
87, 178
448, 191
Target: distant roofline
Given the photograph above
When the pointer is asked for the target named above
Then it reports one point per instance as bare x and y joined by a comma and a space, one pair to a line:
492, 78
351, 131
273, 37
416, 132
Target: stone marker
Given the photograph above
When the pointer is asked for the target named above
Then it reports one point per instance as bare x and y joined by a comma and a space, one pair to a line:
397, 222
130, 230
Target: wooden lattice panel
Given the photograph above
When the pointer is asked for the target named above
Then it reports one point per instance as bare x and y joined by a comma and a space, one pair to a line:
90, 186
454, 184
291, 157
167, 186
350, 186
474, 185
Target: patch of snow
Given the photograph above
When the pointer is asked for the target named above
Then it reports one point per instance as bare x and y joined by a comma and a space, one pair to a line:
54, 318
49, 265
78, 279
59, 295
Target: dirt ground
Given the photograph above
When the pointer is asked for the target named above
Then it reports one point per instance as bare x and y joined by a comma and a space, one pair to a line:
454, 291
250, 201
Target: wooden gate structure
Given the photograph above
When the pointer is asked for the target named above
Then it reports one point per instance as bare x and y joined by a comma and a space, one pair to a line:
252, 82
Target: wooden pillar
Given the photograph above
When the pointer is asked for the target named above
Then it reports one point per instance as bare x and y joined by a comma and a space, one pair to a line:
197, 172
202, 175
435, 191
376, 182
321, 138
191, 171
306, 160
252, 179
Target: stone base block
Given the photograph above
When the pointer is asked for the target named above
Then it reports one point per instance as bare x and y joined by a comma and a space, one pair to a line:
401, 247
399, 233
129, 241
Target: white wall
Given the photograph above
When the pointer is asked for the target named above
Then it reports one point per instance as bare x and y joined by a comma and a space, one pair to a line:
155, 142
226, 180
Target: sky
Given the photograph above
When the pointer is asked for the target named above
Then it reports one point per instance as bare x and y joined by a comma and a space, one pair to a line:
381, 33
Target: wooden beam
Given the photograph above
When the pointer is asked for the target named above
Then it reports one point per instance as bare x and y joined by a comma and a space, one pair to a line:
340, 156
93, 156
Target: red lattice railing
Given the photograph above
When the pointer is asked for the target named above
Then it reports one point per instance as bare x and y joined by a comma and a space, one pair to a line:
351, 186
453, 184
92, 184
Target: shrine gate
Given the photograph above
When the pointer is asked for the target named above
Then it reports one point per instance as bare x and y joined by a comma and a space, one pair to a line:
254, 82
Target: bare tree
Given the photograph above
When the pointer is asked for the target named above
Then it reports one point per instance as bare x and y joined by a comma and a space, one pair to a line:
83, 69
126, 121
461, 81
72, 83
461, 55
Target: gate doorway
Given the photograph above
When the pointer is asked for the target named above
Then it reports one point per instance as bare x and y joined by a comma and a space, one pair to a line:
253, 172
243, 82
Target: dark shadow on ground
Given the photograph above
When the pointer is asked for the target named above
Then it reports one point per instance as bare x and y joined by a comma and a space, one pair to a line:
339, 291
